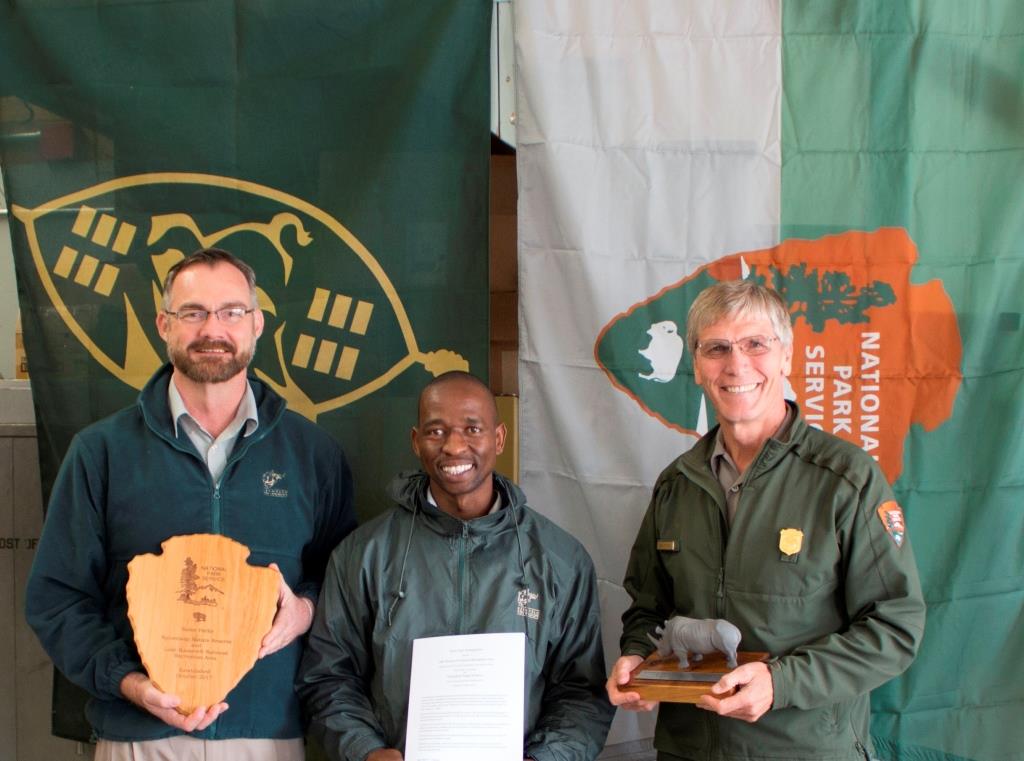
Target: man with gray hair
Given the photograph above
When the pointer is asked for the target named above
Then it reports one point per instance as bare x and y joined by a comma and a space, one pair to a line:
194, 455
788, 532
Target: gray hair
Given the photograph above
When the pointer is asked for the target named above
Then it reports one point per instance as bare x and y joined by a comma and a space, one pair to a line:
733, 298
210, 257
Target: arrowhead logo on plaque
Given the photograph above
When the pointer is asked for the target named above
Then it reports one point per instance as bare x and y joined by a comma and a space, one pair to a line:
199, 613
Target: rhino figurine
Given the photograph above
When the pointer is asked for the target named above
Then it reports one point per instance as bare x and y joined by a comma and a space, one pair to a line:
697, 636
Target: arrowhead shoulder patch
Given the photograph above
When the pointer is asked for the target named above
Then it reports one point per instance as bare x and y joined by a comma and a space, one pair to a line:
892, 519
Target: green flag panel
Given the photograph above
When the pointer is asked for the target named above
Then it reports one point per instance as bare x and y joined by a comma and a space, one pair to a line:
901, 114
340, 148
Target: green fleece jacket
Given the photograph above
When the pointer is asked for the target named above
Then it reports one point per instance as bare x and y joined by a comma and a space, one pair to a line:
127, 484
418, 572
840, 616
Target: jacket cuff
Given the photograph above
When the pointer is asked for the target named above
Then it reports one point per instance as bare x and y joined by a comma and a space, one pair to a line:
637, 649
308, 589
780, 695
118, 673
359, 748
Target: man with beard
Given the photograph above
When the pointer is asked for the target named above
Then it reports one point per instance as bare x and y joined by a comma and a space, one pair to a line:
460, 553
194, 455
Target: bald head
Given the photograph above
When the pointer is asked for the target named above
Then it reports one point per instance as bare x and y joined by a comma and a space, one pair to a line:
468, 380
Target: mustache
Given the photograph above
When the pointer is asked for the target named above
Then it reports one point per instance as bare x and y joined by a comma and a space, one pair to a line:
205, 344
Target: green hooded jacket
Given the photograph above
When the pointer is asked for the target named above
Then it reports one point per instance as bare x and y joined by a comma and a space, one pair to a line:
418, 572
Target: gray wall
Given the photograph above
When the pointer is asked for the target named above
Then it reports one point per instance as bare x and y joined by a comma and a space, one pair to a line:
25, 699
8, 296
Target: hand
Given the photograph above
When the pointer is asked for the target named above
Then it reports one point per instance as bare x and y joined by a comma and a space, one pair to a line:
631, 701
754, 693
140, 690
384, 754
293, 618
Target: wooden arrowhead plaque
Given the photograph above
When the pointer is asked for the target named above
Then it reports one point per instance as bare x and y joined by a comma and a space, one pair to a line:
199, 613
659, 677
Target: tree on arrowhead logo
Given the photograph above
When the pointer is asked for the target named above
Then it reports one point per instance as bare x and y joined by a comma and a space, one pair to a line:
873, 352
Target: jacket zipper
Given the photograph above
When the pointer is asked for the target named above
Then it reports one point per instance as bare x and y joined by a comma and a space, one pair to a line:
261, 432
462, 574
215, 506
723, 541
709, 720
720, 594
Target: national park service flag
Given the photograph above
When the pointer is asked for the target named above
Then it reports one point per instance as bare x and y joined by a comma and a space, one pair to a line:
863, 158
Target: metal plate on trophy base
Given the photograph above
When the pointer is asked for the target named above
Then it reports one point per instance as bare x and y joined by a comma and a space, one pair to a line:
199, 613
659, 677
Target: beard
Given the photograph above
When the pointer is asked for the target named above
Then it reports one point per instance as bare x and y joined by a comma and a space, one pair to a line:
211, 368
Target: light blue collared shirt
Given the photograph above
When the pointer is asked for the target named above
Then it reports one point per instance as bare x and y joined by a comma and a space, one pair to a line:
214, 451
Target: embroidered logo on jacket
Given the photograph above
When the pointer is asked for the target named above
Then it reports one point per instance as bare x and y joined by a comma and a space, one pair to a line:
523, 599
892, 519
270, 480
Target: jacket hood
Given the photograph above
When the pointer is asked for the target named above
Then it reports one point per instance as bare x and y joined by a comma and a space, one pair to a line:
409, 490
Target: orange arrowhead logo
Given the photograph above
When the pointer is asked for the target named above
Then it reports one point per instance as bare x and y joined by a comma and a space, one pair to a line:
873, 352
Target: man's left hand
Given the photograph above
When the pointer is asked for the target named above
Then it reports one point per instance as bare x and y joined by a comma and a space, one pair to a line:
754, 693
293, 618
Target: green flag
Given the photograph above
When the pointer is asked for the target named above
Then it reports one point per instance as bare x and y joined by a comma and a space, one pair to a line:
864, 158
910, 115
340, 148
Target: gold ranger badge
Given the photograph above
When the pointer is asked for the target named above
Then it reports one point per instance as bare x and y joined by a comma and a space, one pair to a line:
790, 541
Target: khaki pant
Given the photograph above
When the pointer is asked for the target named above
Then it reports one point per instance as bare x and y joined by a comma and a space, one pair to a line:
193, 749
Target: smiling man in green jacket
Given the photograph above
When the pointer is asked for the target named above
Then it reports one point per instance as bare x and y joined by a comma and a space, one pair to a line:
459, 553
788, 532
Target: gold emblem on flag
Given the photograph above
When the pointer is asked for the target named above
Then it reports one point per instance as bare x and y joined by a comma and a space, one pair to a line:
790, 541
335, 340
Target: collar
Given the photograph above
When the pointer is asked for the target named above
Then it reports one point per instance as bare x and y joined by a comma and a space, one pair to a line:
781, 434
246, 412
496, 505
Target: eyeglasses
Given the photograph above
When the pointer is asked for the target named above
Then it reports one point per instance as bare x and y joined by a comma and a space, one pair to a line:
227, 315
752, 346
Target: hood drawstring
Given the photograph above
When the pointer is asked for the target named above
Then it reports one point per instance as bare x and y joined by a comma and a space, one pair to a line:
405, 556
522, 567
519, 543
400, 595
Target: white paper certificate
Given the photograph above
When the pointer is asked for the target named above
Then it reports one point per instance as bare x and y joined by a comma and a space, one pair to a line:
466, 698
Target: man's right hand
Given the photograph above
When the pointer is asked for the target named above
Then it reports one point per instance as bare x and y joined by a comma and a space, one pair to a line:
140, 690
384, 754
631, 701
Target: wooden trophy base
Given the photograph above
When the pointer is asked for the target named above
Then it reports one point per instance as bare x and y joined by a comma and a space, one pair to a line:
660, 678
